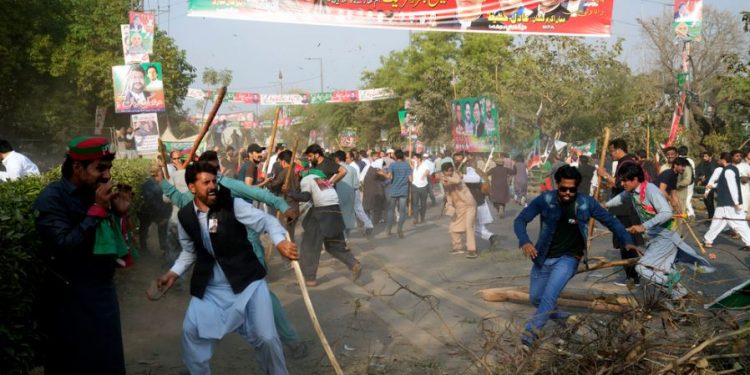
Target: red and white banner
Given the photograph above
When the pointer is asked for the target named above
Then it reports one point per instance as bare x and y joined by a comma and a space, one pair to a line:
559, 17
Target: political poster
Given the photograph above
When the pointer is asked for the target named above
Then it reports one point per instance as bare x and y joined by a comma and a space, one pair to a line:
146, 132
475, 125
134, 58
138, 88
557, 17
408, 124
142, 27
144, 22
347, 138
688, 19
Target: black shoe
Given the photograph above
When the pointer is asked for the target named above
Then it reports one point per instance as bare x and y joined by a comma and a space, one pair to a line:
400, 234
368, 233
745, 248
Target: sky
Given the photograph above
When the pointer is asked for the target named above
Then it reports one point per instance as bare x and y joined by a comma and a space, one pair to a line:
256, 51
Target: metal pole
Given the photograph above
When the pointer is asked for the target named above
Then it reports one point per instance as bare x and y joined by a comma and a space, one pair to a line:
320, 61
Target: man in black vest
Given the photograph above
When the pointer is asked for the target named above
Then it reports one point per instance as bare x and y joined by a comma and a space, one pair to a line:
228, 286
728, 204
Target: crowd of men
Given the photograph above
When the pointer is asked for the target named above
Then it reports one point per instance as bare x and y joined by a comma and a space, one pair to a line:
222, 203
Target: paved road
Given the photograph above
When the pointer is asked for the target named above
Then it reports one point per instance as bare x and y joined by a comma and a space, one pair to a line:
374, 326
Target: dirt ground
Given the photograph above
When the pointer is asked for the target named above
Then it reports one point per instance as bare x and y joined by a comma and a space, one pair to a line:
373, 326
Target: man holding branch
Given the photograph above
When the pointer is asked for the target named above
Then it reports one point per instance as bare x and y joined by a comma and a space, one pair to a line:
665, 246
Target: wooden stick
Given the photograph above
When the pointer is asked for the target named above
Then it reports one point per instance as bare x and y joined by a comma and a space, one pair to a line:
515, 295
273, 132
487, 164
408, 192
206, 125
702, 346
602, 159
163, 154
575, 295
610, 264
692, 234
313, 317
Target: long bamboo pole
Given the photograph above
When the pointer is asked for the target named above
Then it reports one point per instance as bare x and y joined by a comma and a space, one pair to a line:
163, 155
602, 159
314, 317
206, 125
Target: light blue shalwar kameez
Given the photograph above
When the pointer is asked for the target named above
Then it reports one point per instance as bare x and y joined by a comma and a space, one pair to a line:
665, 247
220, 311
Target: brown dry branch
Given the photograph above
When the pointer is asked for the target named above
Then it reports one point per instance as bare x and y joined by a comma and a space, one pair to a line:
433, 303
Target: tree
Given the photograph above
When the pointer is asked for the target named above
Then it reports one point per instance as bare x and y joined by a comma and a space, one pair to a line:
713, 79
59, 68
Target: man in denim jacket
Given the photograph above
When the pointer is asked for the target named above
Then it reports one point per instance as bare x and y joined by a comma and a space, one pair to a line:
561, 245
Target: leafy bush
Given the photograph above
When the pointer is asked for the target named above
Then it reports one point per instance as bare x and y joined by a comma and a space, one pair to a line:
21, 267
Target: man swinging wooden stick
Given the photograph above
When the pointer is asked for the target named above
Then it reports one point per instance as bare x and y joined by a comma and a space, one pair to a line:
245, 284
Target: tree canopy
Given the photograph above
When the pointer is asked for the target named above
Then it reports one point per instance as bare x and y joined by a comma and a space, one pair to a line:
57, 58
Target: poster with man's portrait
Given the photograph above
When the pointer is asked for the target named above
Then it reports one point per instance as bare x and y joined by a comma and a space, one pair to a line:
138, 88
142, 27
146, 132
474, 124
134, 58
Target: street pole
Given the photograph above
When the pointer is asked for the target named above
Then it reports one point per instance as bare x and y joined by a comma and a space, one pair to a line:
320, 61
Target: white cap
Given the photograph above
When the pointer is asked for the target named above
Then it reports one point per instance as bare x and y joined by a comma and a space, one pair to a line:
390, 150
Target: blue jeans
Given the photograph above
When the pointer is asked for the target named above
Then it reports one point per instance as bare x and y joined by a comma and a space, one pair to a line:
545, 285
393, 202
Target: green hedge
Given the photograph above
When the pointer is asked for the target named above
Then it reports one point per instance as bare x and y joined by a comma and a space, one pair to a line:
20, 265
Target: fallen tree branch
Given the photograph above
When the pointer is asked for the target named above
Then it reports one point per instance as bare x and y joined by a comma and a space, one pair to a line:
702, 346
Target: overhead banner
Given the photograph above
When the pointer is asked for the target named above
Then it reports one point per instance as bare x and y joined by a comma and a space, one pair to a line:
146, 130
475, 124
559, 17
343, 96
138, 88
688, 19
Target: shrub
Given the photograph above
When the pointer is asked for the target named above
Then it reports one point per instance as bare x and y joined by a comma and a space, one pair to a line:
21, 267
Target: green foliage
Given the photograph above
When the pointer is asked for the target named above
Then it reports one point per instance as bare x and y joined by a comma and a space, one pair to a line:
21, 265
56, 70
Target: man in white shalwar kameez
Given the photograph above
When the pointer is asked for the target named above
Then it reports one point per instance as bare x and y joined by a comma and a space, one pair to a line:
228, 286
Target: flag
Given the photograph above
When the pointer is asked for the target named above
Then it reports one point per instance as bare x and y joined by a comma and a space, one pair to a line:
534, 157
676, 120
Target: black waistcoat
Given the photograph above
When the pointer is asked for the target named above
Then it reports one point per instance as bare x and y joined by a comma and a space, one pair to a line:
723, 196
231, 247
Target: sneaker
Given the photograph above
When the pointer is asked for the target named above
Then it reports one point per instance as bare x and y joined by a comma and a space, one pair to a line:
356, 271
745, 248
400, 234
472, 254
707, 245
368, 233
456, 252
